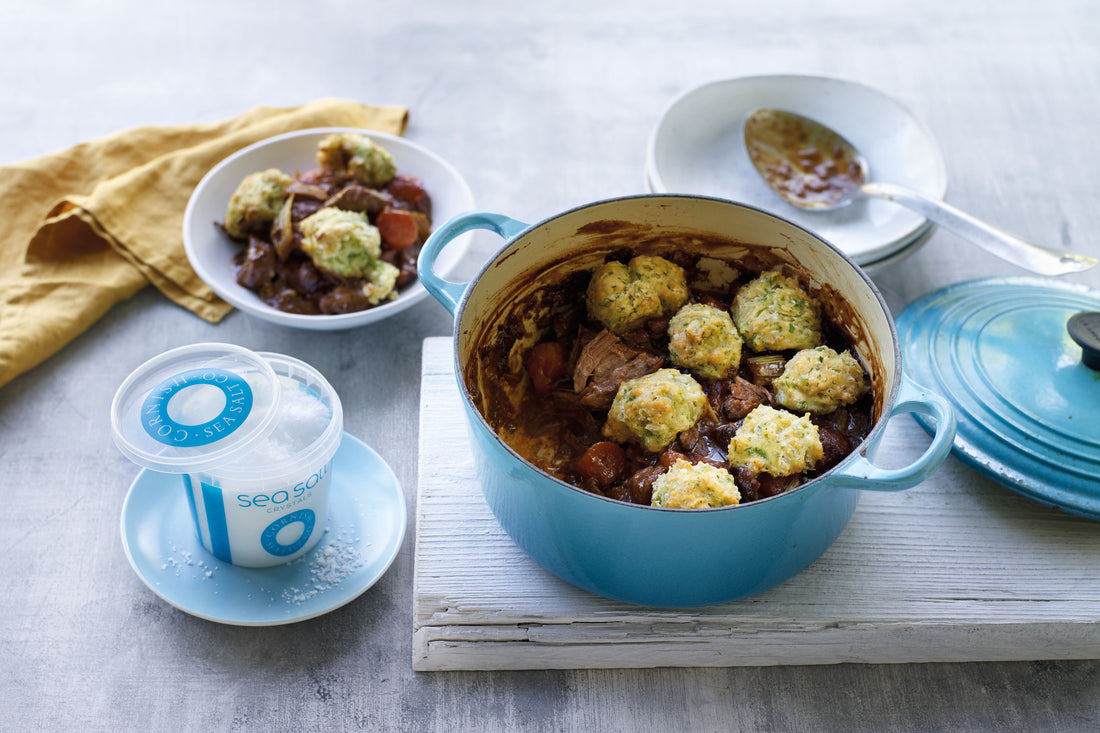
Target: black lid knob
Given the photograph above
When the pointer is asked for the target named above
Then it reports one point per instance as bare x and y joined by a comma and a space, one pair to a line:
1084, 328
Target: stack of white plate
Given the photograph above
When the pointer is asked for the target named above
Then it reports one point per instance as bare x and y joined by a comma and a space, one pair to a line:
697, 148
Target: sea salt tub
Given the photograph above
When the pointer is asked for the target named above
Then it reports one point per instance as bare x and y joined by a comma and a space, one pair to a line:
251, 433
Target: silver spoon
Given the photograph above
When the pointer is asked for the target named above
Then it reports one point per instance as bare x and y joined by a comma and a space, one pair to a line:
814, 168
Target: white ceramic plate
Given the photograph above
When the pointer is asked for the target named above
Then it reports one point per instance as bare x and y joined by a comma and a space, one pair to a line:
365, 528
906, 250
696, 147
210, 250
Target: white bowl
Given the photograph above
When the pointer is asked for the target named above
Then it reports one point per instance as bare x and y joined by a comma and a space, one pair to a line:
211, 251
696, 148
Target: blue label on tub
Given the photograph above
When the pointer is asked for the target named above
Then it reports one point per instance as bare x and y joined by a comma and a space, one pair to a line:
160, 425
216, 522
270, 537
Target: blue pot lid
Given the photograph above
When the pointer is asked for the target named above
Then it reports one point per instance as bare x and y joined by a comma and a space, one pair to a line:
1001, 351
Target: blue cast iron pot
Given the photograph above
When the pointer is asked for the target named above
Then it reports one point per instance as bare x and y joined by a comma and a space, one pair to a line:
645, 555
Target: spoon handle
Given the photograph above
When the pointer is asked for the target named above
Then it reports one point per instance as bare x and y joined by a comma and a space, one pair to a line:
1002, 244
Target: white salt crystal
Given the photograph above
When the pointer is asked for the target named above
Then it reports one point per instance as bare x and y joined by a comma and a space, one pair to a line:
329, 566
300, 420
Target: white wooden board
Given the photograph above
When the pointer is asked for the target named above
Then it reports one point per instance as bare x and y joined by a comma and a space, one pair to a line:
956, 569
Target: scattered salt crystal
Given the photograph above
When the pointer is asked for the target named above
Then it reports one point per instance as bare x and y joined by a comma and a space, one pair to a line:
182, 558
329, 565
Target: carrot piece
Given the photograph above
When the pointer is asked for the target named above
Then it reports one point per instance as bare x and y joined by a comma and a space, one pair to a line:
603, 462
398, 228
545, 363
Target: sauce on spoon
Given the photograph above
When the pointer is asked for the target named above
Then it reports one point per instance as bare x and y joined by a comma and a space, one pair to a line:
807, 164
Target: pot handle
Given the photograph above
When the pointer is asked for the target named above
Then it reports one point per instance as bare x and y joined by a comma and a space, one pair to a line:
862, 474
446, 292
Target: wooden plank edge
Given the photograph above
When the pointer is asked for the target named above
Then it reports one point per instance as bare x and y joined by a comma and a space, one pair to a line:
902, 643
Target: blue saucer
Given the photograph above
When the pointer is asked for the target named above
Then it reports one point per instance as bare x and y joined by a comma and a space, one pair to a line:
364, 531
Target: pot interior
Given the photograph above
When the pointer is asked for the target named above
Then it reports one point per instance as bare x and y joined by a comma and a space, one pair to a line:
534, 282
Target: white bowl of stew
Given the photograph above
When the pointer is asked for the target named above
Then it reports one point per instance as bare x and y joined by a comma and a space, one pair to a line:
215, 256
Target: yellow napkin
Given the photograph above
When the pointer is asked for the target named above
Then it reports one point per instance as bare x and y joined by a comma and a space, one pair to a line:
87, 227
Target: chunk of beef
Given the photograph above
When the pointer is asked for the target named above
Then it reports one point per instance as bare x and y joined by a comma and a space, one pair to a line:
303, 207
288, 300
756, 486
354, 197
302, 275
638, 489
603, 364
853, 423
651, 336
405, 262
257, 264
744, 397
776, 485
411, 190
343, 299
599, 355
330, 181
834, 443
708, 441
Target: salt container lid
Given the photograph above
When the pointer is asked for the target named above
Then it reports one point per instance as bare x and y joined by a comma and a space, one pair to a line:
193, 408
1006, 354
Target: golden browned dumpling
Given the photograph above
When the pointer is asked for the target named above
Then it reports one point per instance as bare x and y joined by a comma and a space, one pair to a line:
774, 313
623, 297
776, 442
358, 156
704, 340
820, 380
654, 409
342, 242
687, 485
347, 244
256, 202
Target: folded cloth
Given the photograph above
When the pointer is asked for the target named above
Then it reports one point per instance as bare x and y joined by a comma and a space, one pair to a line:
87, 227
